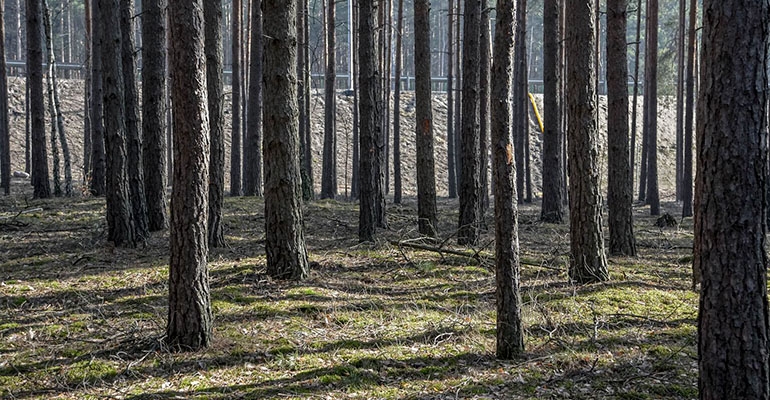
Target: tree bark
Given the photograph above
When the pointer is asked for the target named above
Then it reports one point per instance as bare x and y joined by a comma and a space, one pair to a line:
39, 155
237, 132
689, 113
303, 83
636, 92
450, 117
370, 129
154, 112
426, 174
510, 333
285, 240
252, 152
50, 76
189, 315
356, 173
121, 229
470, 218
98, 154
651, 106
520, 123
5, 136
215, 91
87, 98
553, 136
620, 191
133, 133
588, 262
397, 102
730, 202
680, 71
329, 176
484, 90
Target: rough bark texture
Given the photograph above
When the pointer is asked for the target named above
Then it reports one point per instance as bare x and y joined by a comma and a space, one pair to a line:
285, 239
189, 309
302, 89
355, 174
730, 202
87, 145
689, 115
520, 98
153, 112
5, 136
680, 71
51, 61
450, 117
39, 159
588, 262
98, 156
237, 132
370, 128
510, 333
426, 173
252, 150
636, 88
397, 104
329, 175
120, 225
620, 189
651, 106
215, 90
470, 206
308, 190
553, 207
133, 134
485, 61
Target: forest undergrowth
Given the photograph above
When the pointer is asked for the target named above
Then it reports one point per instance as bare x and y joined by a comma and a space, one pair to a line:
80, 319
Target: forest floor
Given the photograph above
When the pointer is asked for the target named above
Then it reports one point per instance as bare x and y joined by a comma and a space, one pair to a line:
81, 319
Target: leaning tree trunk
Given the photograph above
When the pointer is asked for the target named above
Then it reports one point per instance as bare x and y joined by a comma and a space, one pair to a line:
552, 205
730, 202
285, 240
215, 90
620, 192
329, 174
39, 155
588, 262
189, 303
510, 333
120, 225
133, 134
470, 218
426, 174
370, 124
154, 112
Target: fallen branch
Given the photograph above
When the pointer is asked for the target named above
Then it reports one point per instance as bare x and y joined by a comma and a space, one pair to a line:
476, 254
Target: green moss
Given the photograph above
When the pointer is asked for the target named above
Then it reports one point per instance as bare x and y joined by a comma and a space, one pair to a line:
90, 372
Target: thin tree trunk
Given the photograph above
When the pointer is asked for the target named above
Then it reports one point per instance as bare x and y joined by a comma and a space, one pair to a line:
680, 71
98, 156
237, 132
39, 155
329, 176
356, 174
397, 105
87, 123
302, 89
520, 123
553, 135
212, 12
510, 333
484, 104
52, 112
5, 136
253, 143
370, 122
426, 174
651, 100
689, 113
636, 90
450, 117
308, 159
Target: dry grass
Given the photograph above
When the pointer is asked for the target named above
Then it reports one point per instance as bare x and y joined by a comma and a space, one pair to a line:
80, 319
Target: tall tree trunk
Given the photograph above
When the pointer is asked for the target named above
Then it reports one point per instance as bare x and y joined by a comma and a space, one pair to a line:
27, 129
50, 59
520, 123
689, 113
651, 102
371, 126
57, 118
215, 90
133, 129
189, 303
636, 90
39, 155
470, 218
381, 139
5, 136
426, 174
450, 117
510, 333
458, 128
356, 173
620, 191
252, 151
237, 132
285, 241
729, 242
553, 136
484, 90
121, 229
98, 154
397, 104
306, 170
680, 71
329, 175
154, 112
87, 144
588, 262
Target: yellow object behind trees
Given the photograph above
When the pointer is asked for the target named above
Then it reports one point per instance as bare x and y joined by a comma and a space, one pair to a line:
537, 112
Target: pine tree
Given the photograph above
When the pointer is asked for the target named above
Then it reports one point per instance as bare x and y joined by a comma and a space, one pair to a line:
39, 154
215, 90
426, 174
